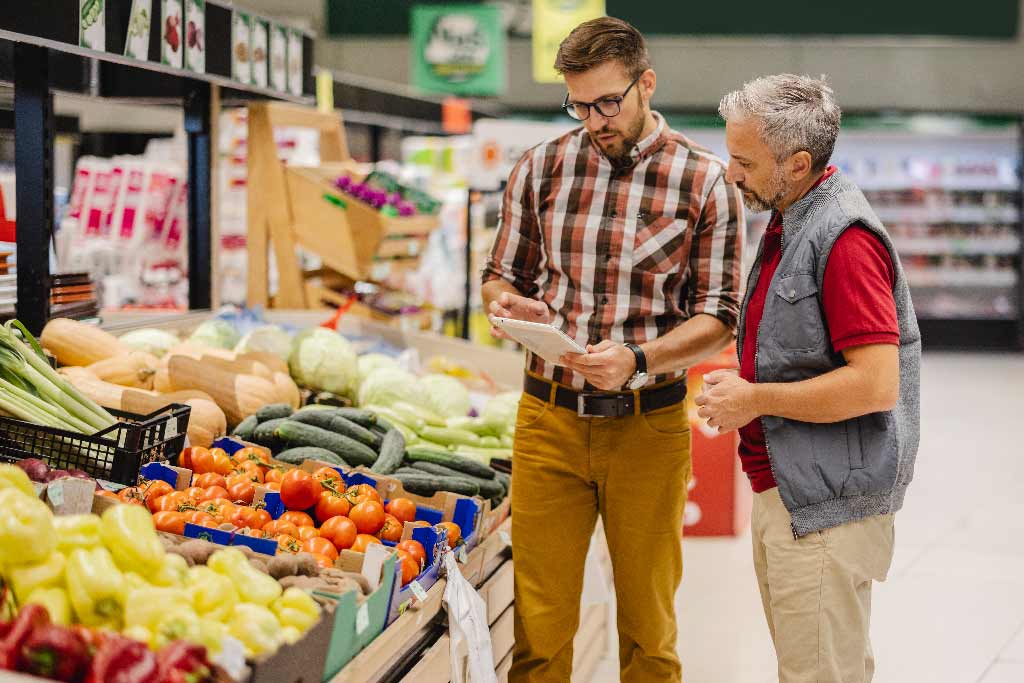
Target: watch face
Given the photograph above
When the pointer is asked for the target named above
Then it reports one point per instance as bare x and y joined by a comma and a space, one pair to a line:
638, 380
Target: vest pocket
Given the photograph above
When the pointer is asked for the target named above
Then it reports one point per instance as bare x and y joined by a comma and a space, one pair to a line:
854, 444
798, 318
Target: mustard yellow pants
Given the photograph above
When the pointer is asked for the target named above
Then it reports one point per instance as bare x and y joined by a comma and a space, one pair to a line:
567, 470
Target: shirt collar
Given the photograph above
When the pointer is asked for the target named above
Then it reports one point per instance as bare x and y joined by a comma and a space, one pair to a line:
644, 148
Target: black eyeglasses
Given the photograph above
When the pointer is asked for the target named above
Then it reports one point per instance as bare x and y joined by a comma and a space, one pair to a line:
606, 107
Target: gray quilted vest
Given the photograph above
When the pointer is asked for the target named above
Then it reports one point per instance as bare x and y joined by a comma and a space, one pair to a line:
830, 474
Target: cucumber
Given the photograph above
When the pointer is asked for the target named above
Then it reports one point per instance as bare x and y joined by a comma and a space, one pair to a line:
489, 488
505, 480
417, 413
422, 481
292, 434
363, 418
449, 436
297, 456
245, 428
392, 452
411, 421
332, 421
264, 433
273, 411
450, 460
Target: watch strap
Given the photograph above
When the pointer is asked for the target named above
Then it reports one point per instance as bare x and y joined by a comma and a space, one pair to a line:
641, 357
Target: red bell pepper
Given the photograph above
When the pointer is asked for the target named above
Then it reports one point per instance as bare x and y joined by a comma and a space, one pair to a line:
29, 618
122, 660
183, 662
56, 652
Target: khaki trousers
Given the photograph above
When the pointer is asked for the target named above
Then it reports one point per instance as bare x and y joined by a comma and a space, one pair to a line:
816, 591
633, 471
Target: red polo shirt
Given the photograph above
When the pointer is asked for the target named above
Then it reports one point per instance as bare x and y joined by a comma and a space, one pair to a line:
859, 309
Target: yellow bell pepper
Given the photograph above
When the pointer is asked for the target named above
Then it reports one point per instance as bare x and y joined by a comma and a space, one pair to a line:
296, 608
145, 605
211, 634
56, 602
256, 628
76, 531
173, 571
128, 533
26, 578
252, 584
95, 587
13, 477
26, 528
213, 595
291, 635
179, 622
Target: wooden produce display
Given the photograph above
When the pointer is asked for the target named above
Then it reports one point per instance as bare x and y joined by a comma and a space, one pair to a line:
300, 206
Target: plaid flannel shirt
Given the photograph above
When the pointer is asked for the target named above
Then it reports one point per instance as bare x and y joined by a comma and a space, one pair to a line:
620, 253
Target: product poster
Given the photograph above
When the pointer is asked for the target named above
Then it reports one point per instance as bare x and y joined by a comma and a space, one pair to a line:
195, 35
92, 25
241, 37
552, 22
295, 68
278, 58
171, 39
458, 50
137, 44
259, 53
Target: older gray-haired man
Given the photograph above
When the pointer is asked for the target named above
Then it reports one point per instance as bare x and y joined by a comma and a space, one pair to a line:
827, 395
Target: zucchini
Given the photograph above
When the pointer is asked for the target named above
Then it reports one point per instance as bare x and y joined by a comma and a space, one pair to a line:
392, 452
412, 412
297, 456
383, 427
274, 411
422, 481
485, 454
245, 428
264, 433
332, 421
490, 442
292, 433
505, 480
450, 460
470, 424
489, 488
363, 418
412, 422
447, 436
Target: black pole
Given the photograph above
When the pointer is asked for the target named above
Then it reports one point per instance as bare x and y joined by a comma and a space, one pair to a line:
33, 160
376, 138
467, 307
200, 255
1019, 341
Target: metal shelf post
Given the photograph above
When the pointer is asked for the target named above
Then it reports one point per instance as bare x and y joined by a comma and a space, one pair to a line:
200, 255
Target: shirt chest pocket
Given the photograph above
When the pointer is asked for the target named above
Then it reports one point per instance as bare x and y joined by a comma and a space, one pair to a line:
659, 244
797, 318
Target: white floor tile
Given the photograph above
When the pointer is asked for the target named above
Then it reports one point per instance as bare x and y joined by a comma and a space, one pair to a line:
1015, 648
1004, 672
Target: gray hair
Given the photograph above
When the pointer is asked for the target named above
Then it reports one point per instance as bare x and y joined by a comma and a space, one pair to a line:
795, 113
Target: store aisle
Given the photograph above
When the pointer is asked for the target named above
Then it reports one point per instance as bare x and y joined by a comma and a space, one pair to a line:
952, 610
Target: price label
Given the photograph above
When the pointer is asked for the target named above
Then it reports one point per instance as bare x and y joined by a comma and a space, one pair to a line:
56, 493
363, 618
418, 591
505, 537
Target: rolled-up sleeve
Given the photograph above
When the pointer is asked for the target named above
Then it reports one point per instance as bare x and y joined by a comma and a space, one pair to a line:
716, 256
517, 251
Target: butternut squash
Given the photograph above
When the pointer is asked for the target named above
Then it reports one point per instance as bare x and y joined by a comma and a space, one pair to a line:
77, 343
238, 395
275, 363
134, 369
197, 351
238, 366
162, 379
287, 390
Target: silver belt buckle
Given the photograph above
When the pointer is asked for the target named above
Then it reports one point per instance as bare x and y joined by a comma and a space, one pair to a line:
581, 406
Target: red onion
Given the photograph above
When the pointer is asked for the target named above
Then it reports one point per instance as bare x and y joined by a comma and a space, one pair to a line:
53, 475
35, 468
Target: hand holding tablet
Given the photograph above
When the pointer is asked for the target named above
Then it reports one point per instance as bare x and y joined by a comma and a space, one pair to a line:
548, 342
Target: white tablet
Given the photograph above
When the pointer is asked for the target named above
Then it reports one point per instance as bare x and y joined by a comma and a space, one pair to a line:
548, 342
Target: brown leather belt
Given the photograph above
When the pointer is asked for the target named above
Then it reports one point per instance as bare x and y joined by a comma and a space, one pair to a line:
607, 404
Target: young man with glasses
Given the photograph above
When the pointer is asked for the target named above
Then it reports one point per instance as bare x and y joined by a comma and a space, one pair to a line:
626, 236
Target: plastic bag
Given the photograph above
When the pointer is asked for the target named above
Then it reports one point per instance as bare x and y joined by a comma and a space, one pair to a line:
467, 626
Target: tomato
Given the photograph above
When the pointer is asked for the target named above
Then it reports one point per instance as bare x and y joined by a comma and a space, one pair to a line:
131, 495
251, 470
454, 532
199, 517
341, 531
222, 461
273, 474
175, 501
288, 544
415, 549
361, 493
308, 532
263, 518
297, 518
368, 516
329, 475
241, 488
273, 486
403, 509
187, 457
154, 493
193, 493
171, 522
220, 508
207, 480
299, 490
213, 493
278, 527
363, 541
107, 494
420, 523
245, 517
256, 456
323, 561
410, 569
391, 531
330, 505
322, 546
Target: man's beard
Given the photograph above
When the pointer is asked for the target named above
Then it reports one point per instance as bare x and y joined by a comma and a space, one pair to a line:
622, 156
777, 190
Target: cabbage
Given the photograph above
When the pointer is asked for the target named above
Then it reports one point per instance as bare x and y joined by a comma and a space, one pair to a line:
323, 360
218, 334
269, 339
386, 386
150, 340
370, 362
500, 412
446, 396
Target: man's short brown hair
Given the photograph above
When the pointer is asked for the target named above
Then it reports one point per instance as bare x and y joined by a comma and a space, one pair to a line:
597, 41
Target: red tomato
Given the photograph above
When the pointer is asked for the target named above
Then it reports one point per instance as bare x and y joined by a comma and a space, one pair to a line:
171, 522
363, 541
308, 532
251, 470
176, 501
207, 480
132, 495
415, 549
221, 461
220, 509
278, 527
263, 518
321, 546
199, 517
273, 486
330, 476
410, 569
391, 531
187, 457
213, 493
107, 494
454, 532
202, 461
403, 509
368, 516
332, 504
241, 488
193, 493
323, 561
273, 474
299, 490
297, 518
361, 493
341, 531
253, 455
288, 544
245, 517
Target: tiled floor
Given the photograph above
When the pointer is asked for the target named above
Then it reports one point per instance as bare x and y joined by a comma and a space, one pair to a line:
952, 610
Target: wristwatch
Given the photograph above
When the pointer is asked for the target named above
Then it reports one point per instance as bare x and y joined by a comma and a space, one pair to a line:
639, 378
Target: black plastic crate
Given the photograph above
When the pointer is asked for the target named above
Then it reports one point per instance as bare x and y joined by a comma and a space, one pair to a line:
114, 454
